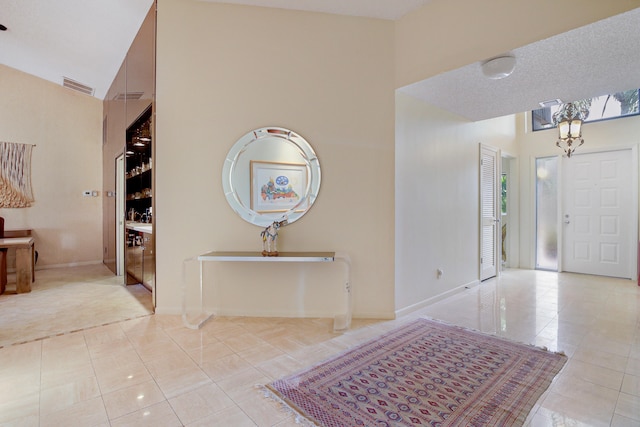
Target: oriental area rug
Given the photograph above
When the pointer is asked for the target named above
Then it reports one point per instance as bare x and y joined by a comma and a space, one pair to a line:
425, 373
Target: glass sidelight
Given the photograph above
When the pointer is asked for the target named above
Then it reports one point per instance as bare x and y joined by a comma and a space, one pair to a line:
547, 213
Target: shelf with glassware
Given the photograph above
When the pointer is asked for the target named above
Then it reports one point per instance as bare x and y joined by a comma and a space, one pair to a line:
139, 202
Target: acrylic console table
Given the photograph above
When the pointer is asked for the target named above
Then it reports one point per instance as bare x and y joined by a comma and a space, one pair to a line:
340, 322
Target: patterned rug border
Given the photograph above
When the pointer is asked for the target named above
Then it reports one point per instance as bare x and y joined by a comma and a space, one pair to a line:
290, 407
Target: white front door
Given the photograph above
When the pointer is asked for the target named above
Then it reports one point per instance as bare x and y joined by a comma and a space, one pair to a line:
489, 213
600, 214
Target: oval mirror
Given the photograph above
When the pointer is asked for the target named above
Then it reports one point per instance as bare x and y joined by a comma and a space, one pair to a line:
271, 174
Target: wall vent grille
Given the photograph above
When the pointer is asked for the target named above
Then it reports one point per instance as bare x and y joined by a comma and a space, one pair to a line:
79, 87
129, 96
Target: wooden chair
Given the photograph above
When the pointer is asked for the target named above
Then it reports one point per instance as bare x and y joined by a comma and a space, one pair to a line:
3, 260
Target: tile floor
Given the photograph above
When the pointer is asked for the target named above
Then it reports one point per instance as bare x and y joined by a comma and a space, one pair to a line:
153, 371
66, 300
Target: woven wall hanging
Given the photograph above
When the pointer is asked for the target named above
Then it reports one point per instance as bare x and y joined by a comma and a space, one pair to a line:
15, 175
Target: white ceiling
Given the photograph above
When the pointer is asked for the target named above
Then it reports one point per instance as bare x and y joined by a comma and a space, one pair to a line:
383, 9
598, 59
87, 40
84, 40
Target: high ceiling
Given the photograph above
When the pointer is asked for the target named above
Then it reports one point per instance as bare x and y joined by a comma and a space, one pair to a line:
87, 40
84, 40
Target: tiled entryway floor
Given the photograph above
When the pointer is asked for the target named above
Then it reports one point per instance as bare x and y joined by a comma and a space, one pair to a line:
152, 371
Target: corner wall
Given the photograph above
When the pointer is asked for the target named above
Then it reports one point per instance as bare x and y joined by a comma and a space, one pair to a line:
66, 127
231, 69
437, 198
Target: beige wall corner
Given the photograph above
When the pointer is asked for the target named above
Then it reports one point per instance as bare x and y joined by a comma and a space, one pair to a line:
230, 69
66, 127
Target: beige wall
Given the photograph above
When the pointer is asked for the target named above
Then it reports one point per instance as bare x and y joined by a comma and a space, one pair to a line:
447, 34
437, 202
66, 127
231, 69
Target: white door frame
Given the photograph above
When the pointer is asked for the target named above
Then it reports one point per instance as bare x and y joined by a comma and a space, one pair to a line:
494, 221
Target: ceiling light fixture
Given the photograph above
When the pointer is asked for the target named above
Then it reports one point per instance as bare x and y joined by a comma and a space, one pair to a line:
569, 119
499, 67
550, 103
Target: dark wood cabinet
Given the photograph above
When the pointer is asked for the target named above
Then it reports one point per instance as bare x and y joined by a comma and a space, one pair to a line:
140, 259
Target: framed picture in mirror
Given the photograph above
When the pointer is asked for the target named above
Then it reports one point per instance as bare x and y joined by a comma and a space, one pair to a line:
278, 186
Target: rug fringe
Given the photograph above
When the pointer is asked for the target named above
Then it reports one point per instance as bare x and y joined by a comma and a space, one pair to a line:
284, 407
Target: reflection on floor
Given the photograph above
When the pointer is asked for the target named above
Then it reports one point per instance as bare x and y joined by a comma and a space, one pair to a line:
66, 300
153, 371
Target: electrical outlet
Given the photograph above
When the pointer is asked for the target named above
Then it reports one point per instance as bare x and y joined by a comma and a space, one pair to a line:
86, 193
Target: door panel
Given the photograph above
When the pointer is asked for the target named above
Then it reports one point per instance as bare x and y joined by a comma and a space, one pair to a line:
599, 214
490, 215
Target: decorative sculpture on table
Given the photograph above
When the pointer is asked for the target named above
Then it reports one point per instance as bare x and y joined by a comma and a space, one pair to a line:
269, 238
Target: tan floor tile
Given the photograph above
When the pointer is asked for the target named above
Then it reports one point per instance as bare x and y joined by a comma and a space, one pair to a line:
601, 358
54, 376
175, 383
172, 361
25, 407
66, 395
265, 412
210, 352
232, 416
244, 385
631, 385
189, 339
225, 367
620, 421
82, 414
260, 353
593, 319
598, 375
131, 399
158, 415
280, 366
629, 407
112, 378
200, 403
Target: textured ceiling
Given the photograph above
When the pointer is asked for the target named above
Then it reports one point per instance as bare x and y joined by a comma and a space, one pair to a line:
598, 59
87, 40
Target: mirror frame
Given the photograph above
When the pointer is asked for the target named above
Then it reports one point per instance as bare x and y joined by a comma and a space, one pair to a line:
242, 146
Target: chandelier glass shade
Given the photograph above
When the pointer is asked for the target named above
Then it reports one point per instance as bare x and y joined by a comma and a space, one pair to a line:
569, 119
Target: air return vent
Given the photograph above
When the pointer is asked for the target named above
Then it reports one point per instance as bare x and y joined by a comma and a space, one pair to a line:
79, 87
129, 96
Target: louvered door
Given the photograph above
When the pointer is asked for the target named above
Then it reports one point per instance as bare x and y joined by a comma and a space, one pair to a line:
489, 215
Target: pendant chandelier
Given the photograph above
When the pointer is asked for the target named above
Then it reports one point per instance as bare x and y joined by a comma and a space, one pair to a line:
569, 119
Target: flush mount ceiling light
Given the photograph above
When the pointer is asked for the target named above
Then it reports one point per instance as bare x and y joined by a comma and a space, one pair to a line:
550, 103
499, 68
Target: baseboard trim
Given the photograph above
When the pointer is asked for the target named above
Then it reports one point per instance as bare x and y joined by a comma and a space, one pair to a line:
434, 299
71, 264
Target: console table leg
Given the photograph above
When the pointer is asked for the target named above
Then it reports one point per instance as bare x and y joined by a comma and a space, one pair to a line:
204, 317
342, 322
